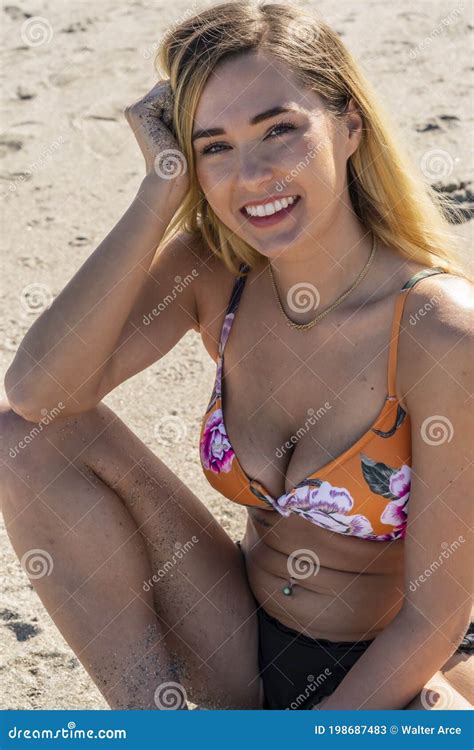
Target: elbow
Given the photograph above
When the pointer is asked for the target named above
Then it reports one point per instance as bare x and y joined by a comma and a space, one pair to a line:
11, 384
32, 412
22, 407
25, 401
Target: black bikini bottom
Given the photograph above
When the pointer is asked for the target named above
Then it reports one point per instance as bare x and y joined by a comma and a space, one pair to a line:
298, 671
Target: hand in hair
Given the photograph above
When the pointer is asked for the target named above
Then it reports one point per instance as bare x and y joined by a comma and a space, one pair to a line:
151, 119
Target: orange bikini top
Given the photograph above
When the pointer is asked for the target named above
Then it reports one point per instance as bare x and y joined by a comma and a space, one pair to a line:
363, 492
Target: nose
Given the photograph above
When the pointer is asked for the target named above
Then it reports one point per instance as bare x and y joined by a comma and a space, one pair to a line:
253, 170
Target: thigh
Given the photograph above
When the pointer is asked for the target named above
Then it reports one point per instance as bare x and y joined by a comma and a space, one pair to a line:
438, 694
458, 671
197, 574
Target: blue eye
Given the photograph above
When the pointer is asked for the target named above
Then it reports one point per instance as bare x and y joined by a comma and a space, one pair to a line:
286, 125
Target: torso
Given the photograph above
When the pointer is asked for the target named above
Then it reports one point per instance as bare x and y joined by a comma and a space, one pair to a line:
273, 375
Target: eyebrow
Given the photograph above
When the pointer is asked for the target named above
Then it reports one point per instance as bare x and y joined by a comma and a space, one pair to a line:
253, 121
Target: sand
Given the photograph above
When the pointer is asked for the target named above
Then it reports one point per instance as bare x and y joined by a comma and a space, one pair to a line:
69, 169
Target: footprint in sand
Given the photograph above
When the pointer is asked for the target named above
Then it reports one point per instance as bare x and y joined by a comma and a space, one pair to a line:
102, 134
433, 123
9, 146
23, 630
16, 13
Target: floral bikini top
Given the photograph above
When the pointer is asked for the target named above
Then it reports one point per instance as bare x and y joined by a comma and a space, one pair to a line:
363, 492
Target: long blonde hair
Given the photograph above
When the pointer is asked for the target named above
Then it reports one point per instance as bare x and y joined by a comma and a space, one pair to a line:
389, 195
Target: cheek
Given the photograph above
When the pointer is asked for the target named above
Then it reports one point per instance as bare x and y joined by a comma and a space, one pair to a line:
211, 177
322, 164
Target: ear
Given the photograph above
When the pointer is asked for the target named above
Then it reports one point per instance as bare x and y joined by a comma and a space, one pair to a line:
354, 125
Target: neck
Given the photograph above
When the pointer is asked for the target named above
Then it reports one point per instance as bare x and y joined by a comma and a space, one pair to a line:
329, 263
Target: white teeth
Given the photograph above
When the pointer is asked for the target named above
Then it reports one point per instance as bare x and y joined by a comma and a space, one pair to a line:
270, 208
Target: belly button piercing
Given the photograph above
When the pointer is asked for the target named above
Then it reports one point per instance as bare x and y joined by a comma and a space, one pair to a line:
288, 589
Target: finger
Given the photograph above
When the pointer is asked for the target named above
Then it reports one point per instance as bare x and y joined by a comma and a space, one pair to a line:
160, 91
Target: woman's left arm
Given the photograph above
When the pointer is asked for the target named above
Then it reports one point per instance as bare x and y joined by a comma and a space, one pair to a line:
436, 380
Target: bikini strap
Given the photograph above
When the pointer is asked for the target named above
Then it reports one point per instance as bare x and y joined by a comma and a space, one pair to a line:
232, 307
396, 322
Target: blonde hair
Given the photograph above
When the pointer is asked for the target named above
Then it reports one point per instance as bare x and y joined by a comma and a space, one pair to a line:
388, 193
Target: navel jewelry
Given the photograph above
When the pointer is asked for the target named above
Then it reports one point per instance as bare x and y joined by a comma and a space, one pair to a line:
288, 589
305, 326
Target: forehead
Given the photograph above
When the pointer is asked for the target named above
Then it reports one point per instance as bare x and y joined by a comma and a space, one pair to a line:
247, 84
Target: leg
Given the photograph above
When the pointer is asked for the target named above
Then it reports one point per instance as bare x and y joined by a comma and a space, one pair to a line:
107, 515
442, 694
459, 673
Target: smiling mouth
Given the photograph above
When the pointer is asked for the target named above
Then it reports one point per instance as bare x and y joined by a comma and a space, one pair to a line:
274, 218
275, 203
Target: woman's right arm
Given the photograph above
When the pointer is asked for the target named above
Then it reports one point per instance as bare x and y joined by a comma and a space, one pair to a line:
65, 355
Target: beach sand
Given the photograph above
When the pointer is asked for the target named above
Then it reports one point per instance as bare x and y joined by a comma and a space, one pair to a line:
69, 169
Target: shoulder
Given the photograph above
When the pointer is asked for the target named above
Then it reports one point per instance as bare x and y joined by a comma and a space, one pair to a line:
189, 253
212, 292
435, 344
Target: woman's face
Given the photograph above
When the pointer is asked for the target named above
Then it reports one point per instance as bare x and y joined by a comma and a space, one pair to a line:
300, 152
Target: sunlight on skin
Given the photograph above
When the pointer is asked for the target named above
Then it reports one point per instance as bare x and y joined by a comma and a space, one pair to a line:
438, 694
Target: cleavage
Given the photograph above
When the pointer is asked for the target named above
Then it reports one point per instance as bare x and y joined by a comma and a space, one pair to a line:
278, 437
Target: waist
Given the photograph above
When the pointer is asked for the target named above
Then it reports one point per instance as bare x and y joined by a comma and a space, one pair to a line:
325, 603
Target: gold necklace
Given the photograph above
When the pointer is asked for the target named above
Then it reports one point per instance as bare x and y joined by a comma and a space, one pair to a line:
305, 326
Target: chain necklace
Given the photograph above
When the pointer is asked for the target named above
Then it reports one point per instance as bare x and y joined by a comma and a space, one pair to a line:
305, 326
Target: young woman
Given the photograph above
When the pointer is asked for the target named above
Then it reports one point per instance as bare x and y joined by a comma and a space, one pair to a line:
295, 235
